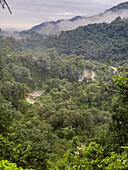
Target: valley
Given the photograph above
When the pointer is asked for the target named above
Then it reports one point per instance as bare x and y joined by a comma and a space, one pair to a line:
64, 97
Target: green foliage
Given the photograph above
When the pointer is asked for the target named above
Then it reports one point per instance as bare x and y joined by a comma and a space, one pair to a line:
115, 161
90, 158
100, 42
6, 165
6, 148
120, 110
14, 91
121, 81
9, 151
60, 130
8, 115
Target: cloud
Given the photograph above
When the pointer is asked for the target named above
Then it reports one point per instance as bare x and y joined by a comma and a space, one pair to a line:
49, 28
29, 12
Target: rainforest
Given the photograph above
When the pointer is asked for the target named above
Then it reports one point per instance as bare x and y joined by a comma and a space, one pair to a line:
64, 99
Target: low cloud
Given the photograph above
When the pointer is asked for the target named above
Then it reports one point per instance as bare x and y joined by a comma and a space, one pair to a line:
29, 13
49, 28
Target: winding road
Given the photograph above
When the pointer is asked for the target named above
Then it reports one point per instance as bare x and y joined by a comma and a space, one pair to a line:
32, 96
85, 74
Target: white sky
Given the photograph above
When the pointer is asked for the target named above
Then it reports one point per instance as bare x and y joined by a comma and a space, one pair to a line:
28, 13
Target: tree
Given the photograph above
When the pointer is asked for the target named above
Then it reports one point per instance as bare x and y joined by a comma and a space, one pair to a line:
5, 164
119, 125
8, 114
3, 3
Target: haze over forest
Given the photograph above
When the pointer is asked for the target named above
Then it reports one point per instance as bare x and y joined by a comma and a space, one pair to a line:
64, 89
30, 13
55, 27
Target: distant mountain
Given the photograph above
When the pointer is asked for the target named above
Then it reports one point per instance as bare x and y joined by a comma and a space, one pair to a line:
122, 6
55, 27
100, 41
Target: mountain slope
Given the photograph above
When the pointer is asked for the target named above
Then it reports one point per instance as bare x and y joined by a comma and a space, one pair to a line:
100, 42
121, 6
55, 27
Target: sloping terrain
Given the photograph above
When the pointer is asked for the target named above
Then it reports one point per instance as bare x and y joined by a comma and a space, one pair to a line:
55, 27
100, 42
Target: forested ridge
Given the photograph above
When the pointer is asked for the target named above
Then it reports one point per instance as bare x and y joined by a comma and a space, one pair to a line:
79, 121
100, 42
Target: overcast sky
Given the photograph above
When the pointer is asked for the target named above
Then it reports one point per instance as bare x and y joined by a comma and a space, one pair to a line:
28, 13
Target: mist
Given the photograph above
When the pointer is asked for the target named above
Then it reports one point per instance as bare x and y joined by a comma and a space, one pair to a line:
50, 28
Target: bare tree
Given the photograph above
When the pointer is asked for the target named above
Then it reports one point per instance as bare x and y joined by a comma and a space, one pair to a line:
3, 3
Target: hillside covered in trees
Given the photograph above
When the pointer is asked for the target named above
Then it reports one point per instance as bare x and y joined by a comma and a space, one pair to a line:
80, 119
100, 42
